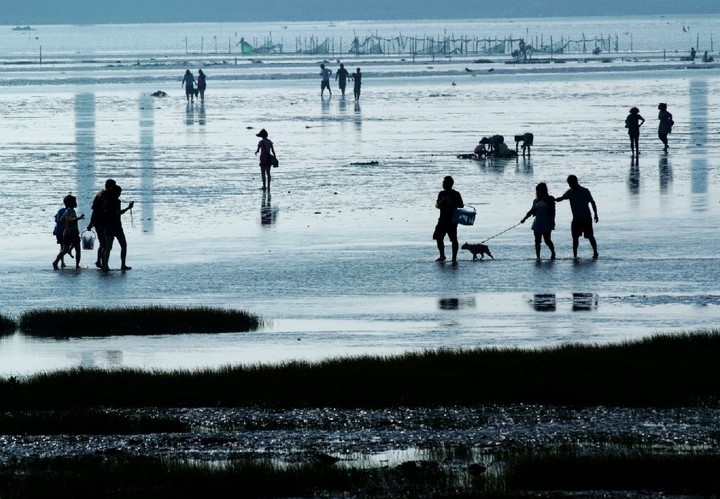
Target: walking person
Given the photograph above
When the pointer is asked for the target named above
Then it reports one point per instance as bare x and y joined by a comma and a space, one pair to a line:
665, 126
325, 79
633, 122
543, 209
189, 82
579, 198
267, 156
447, 200
201, 84
341, 76
113, 226
58, 233
71, 233
97, 221
357, 79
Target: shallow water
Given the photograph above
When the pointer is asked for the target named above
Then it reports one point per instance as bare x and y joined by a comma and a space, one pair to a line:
339, 259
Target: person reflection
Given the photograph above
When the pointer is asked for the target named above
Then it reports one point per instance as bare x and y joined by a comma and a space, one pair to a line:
584, 302
634, 176
544, 302
358, 116
268, 214
201, 113
189, 115
664, 173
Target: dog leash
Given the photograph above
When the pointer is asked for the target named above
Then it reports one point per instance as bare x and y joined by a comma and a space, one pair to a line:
503, 232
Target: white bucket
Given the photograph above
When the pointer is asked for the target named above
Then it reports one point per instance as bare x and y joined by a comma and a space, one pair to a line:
88, 239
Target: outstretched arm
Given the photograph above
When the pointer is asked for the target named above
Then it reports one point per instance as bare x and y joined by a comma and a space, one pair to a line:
594, 207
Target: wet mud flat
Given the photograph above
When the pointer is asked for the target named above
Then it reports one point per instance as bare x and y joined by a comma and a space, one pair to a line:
385, 437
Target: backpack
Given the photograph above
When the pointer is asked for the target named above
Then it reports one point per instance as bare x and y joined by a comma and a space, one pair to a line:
59, 222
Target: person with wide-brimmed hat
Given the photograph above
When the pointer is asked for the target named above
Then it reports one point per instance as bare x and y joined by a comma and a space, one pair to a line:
265, 148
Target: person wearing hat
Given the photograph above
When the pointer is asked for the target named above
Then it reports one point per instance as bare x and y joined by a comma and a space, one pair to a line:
265, 147
448, 199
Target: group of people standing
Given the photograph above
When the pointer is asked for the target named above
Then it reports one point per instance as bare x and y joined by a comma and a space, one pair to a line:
543, 209
189, 83
634, 121
106, 219
341, 76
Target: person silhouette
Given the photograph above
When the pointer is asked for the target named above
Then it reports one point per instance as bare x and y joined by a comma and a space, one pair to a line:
633, 122
189, 82
665, 126
341, 76
543, 209
447, 200
579, 198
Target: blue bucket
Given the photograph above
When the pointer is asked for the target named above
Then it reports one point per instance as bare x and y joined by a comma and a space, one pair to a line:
464, 216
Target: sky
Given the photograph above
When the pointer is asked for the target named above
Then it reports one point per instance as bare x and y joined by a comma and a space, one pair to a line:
29, 12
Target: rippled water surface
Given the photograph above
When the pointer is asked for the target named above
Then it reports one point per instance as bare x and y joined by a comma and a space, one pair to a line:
339, 258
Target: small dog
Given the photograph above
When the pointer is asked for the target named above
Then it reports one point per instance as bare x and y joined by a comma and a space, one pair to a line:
478, 249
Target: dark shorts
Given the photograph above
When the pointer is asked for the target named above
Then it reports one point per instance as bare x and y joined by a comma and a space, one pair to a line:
445, 228
581, 227
342, 84
324, 84
71, 239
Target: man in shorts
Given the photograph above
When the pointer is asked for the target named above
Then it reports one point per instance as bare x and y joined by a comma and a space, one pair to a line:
448, 199
582, 222
325, 79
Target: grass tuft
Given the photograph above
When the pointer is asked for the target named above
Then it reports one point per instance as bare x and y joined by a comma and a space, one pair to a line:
98, 321
7, 325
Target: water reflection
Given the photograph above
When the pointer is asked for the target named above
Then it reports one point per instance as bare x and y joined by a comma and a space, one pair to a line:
358, 118
85, 149
147, 160
268, 213
189, 114
103, 358
665, 173
201, 114
634, 175
524, 165
584, 301
456, 303
698, 143
544, 302
325, 106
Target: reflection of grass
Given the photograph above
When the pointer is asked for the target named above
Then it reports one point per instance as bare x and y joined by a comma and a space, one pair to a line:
686, 474
662, 371
136, 321
126, 476
7, 325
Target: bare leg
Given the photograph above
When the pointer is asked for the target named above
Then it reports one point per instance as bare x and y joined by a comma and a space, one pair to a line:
455, 247
538, 238
576, 243
550, 245
441, 249
593, 243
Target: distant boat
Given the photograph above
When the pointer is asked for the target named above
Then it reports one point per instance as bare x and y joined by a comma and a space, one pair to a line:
23, 28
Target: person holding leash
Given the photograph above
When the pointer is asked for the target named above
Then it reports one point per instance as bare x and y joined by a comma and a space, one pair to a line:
448, 199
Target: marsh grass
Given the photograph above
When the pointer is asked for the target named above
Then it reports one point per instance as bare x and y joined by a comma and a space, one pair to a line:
634, 470
128, 476
98, 321
7, 325
662, 371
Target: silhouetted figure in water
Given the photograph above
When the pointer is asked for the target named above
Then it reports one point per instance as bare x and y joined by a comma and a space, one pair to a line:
543, 209
357, 83
448, 199
341, 76
201, 84
71, 233
113, 226
692, 54
325, 79
265, 147
579, 198
665, 126
527, 141
633, 122
97, 221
